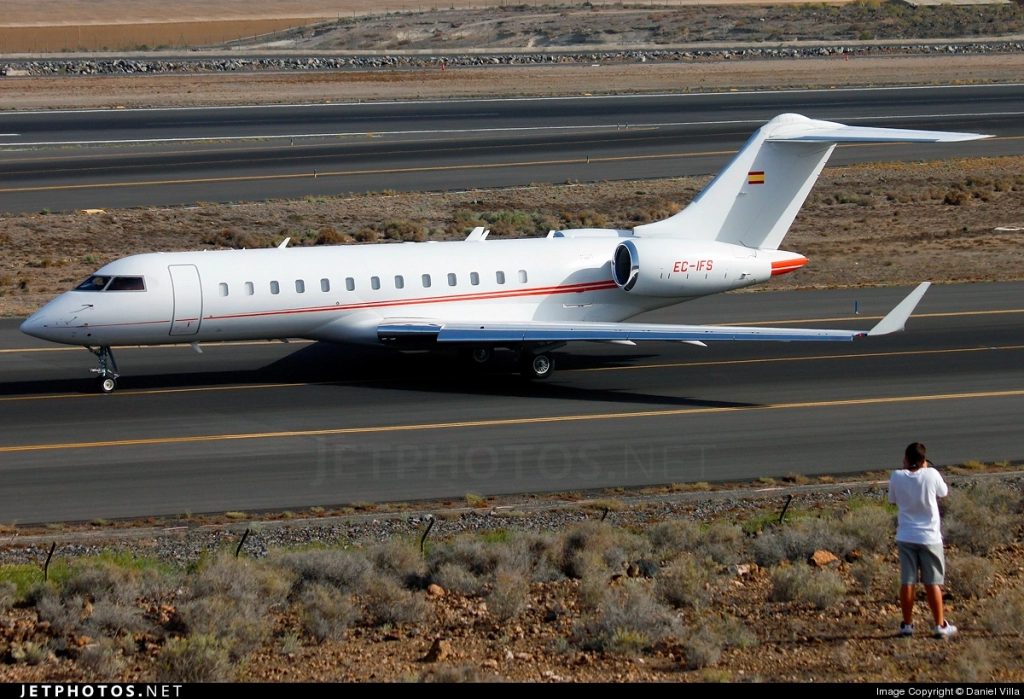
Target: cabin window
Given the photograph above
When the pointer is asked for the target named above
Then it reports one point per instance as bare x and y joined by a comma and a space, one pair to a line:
474, 279
126, 284
223, 289
522, 276
399, 281
499, 277
452, 281
325, 285
426, 281
275, 288
350, 283
374, 283
249, 289
300, 286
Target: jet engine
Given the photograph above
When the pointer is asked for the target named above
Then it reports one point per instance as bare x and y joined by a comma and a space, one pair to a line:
670, 267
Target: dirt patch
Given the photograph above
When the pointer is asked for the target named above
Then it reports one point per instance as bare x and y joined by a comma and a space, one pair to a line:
862, 225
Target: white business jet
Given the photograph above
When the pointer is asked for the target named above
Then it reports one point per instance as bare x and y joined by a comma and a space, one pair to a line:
530, 295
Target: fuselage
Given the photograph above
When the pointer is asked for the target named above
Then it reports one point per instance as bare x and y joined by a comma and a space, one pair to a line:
341, 293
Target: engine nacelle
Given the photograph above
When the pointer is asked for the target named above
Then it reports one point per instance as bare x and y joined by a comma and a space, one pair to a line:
670, 267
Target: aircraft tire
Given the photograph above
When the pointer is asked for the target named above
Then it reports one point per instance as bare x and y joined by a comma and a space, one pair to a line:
537, 366
106, 384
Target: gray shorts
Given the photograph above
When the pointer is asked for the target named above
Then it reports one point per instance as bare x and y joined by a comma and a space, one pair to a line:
926, 558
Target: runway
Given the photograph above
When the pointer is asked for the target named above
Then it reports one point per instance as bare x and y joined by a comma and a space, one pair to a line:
276, 426
69, 160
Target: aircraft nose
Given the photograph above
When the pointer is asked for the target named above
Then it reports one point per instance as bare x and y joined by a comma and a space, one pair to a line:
36, 326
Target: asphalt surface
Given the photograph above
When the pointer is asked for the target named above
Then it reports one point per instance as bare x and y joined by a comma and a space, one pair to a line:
72, 160
277, 426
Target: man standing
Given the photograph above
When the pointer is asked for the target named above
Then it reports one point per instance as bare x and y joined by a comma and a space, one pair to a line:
915, 489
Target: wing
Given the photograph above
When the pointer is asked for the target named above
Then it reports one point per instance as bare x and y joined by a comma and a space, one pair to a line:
395, 330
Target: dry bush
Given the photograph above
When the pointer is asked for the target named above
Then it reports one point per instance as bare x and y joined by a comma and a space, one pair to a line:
1005, 613
457, 674
402, 561
972, 661
509, 595
115, 619
468, 553
103, 659
669, 539
801, 583
628, 620
968, 576
233, 238
231, 599
326, 613
63, 615
535, 554
456, 578
8, 595
387, 602
702, 649
199, 658
872, 527
723, 543
345, 570
865, 571
688, 582
104, 580
796, 541
330, 236
589, 548
980, 518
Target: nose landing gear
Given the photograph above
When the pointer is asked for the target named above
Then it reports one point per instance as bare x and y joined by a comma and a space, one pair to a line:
106, 381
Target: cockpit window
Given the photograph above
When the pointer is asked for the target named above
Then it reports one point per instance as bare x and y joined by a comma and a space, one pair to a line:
95, 283
126, 284
101, 283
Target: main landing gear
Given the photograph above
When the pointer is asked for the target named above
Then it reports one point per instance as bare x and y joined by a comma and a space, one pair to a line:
536, 366
106, 381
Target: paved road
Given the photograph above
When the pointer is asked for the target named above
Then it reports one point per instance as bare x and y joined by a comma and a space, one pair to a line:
254, 426
113, 158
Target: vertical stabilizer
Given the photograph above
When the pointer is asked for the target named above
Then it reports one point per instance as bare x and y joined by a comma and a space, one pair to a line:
754, 199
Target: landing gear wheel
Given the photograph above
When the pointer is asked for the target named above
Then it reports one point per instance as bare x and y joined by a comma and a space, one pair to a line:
106, 384
538, 366
481, 355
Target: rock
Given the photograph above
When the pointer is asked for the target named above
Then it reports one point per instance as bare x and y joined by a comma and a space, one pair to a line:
822, 558
648, 569
435, 590
439, 651
490, 663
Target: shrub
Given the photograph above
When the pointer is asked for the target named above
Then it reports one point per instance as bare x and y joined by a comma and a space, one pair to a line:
199, 658
102, 659
669, 539
402, 561
702, 649
104, 580
797, 540
872, 527
1005, 613
114, 619
326, 613
980, 518
509, 595
232, 238
627, 620
8, 595
345, 570
724, 543
386, 602
800, 583
968, 576
686, 583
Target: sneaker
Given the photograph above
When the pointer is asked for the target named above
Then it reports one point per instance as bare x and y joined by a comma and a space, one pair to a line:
947, 630
906, 630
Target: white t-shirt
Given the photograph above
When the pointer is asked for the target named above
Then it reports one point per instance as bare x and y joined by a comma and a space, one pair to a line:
917, 493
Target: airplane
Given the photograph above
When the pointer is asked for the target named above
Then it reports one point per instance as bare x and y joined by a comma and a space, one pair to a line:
528, 295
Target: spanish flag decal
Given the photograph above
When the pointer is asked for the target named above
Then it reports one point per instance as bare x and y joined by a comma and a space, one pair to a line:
755, 177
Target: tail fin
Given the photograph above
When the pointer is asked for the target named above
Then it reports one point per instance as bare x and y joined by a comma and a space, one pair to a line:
754, 199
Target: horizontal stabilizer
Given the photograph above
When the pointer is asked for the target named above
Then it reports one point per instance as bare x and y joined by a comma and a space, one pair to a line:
752, 202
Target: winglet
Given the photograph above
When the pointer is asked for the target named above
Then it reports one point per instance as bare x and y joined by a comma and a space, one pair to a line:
897, 317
